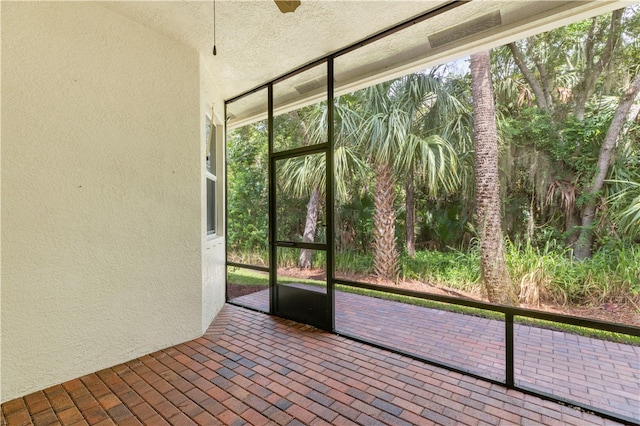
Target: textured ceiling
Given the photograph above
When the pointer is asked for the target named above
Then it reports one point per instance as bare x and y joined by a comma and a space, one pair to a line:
256, 43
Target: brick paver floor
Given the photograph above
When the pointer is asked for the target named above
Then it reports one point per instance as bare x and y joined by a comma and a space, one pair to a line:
604, 375
251, 368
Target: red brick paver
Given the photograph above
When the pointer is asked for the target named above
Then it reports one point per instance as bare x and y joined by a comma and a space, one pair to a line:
604, 375
251, 368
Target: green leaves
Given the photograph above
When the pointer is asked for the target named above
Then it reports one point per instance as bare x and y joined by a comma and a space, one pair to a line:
409, 122
247, 189
626, 202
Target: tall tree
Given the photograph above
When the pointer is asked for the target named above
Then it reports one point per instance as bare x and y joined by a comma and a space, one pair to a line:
306, 176
620, 118
595, 63
495, 275
570, 70
394, 147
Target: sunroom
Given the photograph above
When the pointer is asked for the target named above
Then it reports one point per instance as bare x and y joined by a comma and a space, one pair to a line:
121, 240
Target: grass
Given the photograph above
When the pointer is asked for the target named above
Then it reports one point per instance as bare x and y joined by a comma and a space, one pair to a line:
422, 302
454, 269
580, 331
248, 277
255, 257
547, 274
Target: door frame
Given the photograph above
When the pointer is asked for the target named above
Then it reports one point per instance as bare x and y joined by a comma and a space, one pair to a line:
321, 311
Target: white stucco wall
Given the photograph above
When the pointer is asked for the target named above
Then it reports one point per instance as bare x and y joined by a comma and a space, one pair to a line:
213, 252
101, 193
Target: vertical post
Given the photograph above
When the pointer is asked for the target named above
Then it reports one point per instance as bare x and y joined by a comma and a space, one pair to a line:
273, 254
330, 196
508, 323
226, 204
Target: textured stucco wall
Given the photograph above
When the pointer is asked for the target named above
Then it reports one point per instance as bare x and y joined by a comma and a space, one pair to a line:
101, 192
213, 253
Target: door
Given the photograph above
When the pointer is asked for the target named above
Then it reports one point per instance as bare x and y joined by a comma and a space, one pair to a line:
300, 189
300, 247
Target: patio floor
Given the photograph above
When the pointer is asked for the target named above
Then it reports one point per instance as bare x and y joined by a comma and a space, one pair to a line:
251, 368
597, 373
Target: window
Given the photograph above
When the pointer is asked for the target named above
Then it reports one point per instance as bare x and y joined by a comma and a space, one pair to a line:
211, 206
211, 147
211, 177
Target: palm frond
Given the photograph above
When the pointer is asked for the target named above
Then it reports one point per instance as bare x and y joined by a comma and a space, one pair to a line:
626, 202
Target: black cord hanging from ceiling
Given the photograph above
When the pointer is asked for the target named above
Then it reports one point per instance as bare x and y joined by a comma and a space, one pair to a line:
214, 28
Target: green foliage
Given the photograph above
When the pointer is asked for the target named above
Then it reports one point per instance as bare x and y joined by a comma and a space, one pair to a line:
442, 225
548, 159
246, 257
604, 277
350, 262
354, 221
612, 274
627, 201
454, 269
247, 189
530, 127
247, 277
581, 139
288, 258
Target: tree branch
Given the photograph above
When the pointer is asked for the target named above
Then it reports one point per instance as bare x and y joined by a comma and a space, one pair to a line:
632, 115
583, 247
586, 87
612, 41
544, 79
541, 99
615, 128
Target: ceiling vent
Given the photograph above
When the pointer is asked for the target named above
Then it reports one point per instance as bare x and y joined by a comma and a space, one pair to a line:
466, 29
311, 85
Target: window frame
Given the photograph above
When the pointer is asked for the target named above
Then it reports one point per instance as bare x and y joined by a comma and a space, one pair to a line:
211, 178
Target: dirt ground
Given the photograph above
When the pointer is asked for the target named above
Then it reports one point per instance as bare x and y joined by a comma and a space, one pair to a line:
619, 313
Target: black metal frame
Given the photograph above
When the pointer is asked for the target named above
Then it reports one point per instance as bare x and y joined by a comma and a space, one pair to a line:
375, 37
273, 259
508, 311
295, 303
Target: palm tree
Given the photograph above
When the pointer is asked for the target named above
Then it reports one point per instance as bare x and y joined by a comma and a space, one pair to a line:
430, 158
392, 144
495, 275
627, 201
306, 176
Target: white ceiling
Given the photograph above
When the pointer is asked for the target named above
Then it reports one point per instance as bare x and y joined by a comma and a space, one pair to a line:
256, 43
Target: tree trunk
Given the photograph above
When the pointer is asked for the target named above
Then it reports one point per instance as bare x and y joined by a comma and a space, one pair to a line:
587, 86
633, 113
571, 227
386, 257
410, 214
305, 260
585, 240
536, 87
495, 275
